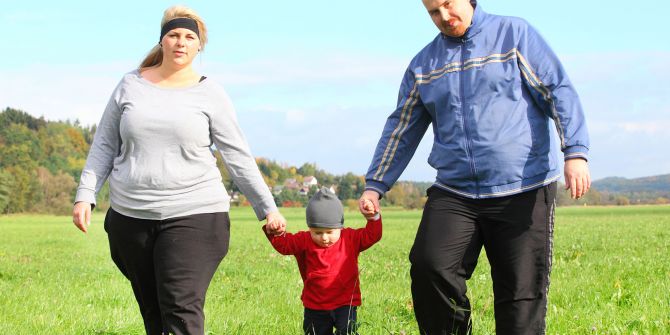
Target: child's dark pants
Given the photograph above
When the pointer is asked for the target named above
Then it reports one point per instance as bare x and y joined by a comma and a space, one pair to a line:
343, 319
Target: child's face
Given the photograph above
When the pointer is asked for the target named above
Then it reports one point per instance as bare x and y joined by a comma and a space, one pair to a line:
325, 237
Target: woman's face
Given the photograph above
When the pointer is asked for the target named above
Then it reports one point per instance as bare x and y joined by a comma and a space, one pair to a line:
180, 46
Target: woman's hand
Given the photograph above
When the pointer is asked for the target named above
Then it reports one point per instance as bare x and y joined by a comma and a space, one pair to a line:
81, 215
276, 224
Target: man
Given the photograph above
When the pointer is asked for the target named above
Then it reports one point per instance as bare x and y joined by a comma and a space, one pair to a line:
500, 105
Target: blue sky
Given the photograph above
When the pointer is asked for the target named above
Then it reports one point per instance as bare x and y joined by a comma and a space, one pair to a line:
314, 81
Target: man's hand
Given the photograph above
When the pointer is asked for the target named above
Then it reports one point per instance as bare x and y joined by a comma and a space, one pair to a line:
577, 177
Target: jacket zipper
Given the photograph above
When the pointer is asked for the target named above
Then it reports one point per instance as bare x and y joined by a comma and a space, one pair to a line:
464, 106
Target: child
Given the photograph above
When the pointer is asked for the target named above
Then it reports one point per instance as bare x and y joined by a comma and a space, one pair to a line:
327, 257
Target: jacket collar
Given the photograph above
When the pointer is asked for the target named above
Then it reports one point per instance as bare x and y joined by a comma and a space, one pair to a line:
475, 26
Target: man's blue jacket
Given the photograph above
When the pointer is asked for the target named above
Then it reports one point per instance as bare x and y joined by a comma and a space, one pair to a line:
493, 97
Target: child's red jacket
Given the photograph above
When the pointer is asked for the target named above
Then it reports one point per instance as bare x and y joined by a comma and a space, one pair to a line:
330, 275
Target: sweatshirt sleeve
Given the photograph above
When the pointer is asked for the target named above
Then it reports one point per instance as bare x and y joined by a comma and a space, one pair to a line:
370, 234
552, 90
241, 165
105, 147
401, 136
287, 243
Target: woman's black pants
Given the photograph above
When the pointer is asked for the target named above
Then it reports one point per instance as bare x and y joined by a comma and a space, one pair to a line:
169, 264
516, 232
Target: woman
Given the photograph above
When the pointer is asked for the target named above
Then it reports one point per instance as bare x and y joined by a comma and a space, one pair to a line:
168, 224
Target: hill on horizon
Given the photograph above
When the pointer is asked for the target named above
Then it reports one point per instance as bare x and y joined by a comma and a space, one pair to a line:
659, 183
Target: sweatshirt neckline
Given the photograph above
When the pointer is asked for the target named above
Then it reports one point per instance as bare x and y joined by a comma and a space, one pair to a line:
146, 82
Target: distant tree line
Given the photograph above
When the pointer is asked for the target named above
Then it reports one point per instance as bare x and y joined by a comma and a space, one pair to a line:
40, 164
608, 198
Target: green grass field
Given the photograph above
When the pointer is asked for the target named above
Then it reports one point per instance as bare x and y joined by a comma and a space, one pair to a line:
611, 275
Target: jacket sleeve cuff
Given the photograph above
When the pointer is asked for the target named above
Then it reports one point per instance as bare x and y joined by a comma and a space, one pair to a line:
377, 187
576, 151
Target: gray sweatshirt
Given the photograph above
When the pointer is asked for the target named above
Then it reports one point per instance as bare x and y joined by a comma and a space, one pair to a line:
153, 143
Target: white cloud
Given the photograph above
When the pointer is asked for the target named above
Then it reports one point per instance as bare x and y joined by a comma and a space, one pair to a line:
366, 140
61, 92
652, 128
310, 69
295, 117
24, 16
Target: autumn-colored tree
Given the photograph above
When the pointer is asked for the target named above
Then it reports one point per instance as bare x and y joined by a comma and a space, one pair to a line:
622, 201
662, 201
61, 145
57, 192
405, 194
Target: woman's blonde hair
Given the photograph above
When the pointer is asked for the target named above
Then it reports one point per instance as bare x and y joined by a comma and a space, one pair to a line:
155, 56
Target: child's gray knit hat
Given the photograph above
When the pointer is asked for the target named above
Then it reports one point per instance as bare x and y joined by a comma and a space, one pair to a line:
324, 210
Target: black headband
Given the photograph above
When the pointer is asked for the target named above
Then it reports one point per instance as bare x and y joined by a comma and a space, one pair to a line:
180, 22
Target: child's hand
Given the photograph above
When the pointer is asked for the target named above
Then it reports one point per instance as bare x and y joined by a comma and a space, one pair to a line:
368, 209
276, 224
277, 231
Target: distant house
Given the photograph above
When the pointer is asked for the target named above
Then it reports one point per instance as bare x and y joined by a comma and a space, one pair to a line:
310, 181
291, 184
304, 191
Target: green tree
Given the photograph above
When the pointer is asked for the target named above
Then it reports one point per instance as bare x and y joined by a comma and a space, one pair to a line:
14, 116
350, 186
25, 190
312, 191
307, 169
290, 198
6, 185
20, 146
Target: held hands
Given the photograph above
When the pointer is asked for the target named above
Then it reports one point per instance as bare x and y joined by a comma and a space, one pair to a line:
577, 177
81, 215
275, 224
368, 204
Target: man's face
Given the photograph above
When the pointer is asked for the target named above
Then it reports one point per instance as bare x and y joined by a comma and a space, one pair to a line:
452, 17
